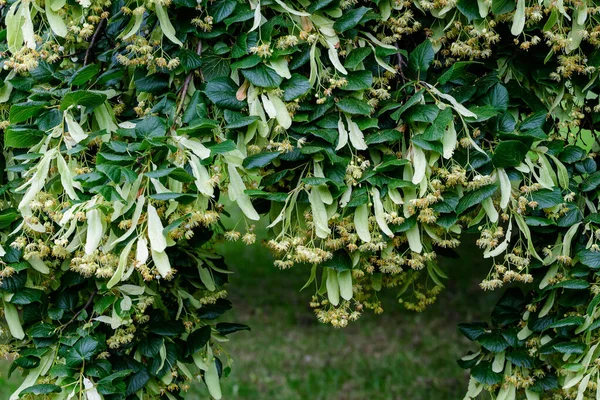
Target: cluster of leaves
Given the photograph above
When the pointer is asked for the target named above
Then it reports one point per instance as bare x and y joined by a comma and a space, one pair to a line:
370, 133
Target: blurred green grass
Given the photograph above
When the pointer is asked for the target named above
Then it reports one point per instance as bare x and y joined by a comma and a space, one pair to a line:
289, 355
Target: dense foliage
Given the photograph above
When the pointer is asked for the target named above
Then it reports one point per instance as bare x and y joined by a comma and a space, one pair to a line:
371, 134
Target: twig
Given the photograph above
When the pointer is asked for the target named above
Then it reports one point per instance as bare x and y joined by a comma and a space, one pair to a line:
86, 305
188, 80
401, 63
93, 41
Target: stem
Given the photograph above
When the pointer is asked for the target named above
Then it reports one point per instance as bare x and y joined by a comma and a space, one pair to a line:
86, 305
188, 80
401, 63
93, 41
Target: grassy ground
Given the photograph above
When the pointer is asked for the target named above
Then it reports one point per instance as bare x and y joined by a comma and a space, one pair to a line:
397, 355
288, 355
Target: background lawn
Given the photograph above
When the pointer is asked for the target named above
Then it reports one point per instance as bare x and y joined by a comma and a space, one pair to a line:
289, 355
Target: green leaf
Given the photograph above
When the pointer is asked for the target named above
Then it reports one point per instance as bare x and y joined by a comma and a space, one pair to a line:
222, 92
151, 127
509, 153
137, 381
225, 328
591, 183
197, 340
41, 389
357, 56
589, 258
350, 19
475, 197
237, 120
154, 84
421, 58
221, 148
496, 97
500, 7
183, 198
21, 112
421, 113
520, 358
469, 9
83, 98
295, 87
85, 75
493, 341
83, 350
459, 69
7, 217
384, 136
570, 347
221, 9
189, 60
41, 330
200, 127
354, 106
575, 284
247, 62
483, 113
359, 80
567, 322
22, 138
316, 5
27, 296
572, 154
473, 330
547, 198
262, 76
215, 66
340, 261
151, 346
483, 373
179, 174
259, 160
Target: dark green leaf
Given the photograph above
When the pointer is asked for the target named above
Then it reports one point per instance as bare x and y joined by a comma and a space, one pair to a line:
421, 57
22, 138
262, 76
21, 112
359, 80
221, 9
259, 160
197, 340
222, 92
483, 373
85, 75
340, 261
225, 328
509, 153
295, 87
83, 98
41, 389
357, 56
589, 258
475, 197
350, 19
354, 106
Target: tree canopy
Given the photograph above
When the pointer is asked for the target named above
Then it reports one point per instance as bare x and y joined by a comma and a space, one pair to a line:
370, 134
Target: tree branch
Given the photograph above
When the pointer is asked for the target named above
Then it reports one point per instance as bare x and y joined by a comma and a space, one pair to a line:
188, 80
401, 63
99, 28
86, 305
